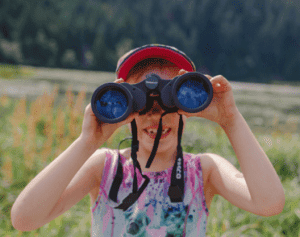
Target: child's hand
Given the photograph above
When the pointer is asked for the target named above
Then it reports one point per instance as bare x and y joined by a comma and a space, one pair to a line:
95, 131
222, 108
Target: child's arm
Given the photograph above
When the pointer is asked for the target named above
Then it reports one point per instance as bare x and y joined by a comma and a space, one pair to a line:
258, 188
51, 192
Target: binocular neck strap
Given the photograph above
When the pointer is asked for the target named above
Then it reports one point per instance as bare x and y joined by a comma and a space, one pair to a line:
156, 142
132, 197
113, 193
176, 189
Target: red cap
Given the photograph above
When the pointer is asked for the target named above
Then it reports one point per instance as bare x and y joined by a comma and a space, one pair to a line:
171, 54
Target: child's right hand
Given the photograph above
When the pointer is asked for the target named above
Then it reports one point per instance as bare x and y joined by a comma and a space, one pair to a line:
96, 132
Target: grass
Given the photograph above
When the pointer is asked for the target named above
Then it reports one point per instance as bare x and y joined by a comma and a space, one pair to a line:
9, 71
34, 132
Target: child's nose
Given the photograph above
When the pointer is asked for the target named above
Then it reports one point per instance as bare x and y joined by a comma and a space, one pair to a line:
156, 110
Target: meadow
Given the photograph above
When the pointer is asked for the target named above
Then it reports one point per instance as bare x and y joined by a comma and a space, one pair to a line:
35, 130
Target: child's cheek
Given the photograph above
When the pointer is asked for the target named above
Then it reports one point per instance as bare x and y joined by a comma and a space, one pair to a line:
129, 127
184, 121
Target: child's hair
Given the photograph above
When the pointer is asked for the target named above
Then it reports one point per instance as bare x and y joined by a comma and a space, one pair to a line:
148, 62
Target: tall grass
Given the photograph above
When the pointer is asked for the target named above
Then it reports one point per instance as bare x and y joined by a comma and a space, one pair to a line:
34, 132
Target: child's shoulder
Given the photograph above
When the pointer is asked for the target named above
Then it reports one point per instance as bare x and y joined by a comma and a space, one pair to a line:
97, 160
96, 164
206, 160
107, 154
104, 151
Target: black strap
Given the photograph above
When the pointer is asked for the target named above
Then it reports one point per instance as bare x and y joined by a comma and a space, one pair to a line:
132, 197
156, 142
113, 193
176, 189
134, 150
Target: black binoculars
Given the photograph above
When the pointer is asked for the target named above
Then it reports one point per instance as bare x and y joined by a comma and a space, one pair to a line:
113, 102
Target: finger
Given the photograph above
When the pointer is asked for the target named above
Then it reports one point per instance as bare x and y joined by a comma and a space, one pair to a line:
88, 108
208, 76
220, 84
182, 71
119, 80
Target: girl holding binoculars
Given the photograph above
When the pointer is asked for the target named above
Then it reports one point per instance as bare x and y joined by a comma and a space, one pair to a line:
109, 176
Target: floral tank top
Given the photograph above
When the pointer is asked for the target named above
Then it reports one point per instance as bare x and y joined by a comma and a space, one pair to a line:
153, 214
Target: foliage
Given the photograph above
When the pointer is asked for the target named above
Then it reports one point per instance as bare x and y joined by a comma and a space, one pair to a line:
250, 40
34, 132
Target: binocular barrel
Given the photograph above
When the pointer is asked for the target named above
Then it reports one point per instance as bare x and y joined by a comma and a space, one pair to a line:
113, 102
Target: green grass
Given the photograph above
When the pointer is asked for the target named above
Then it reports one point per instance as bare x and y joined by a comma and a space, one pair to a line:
9, 71
49, 138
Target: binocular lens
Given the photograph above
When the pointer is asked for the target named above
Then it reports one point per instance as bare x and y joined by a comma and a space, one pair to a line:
112, 104
192, 94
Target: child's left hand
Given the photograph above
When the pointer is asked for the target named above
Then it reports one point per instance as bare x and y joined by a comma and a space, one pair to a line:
222, 108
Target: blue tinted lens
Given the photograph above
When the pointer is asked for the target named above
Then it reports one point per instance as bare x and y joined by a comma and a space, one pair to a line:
192, 94
112, 104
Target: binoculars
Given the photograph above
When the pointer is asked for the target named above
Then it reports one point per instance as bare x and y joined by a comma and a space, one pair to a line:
113, 102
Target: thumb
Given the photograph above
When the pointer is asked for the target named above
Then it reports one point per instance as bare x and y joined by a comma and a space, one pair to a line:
220, 84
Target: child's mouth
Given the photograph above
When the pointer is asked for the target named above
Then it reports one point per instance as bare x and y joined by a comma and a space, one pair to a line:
152, 131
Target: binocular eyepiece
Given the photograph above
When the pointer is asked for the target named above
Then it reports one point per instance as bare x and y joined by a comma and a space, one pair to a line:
113, 102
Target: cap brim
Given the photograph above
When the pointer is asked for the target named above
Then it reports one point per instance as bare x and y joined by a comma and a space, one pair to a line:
169, 54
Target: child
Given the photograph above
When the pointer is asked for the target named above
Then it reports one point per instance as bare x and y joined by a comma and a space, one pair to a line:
84, 169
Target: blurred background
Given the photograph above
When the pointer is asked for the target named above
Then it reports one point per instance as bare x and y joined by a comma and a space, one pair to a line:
254, 40
54, 54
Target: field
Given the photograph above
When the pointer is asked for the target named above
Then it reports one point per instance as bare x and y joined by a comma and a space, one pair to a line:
41, 114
